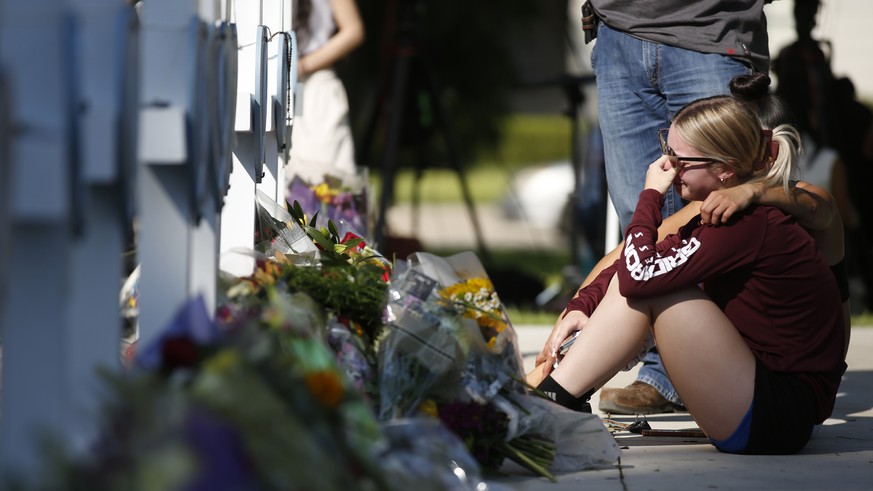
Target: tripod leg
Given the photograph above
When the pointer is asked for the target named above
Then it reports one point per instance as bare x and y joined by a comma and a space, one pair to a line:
453, 147
362, 152
389, 162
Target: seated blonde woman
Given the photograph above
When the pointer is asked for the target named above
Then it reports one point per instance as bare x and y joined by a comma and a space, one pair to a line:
736, 344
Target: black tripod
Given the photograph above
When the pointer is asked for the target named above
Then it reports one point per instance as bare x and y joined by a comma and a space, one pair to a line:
409, 73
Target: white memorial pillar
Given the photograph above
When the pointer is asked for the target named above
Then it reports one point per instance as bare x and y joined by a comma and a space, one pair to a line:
277, 20
220, 119
35, 51
238, 215
5, 234
107, 111
171, 181
212, 107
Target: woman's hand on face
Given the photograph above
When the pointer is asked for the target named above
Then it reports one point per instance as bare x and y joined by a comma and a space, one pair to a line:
564, 328
661, 175
722, 204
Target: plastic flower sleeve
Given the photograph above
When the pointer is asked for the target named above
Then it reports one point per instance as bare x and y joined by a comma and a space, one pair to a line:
354, 358
421, 354
464, 284
277, 231
581, 439
426, 456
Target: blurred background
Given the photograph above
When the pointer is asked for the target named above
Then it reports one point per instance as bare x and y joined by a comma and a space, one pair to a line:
492, 144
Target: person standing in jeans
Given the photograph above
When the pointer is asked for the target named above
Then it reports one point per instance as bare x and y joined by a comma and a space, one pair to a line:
651, 59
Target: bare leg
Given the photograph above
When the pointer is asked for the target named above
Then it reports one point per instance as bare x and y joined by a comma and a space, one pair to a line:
707, 360
535, 376
613, 335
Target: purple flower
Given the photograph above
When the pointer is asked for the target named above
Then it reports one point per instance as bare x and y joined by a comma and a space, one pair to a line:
224, 465
480, 426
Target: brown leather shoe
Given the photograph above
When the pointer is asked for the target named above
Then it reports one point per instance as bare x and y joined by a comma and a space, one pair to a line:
636, 398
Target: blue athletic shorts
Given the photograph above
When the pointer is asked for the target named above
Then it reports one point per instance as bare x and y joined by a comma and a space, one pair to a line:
780, 419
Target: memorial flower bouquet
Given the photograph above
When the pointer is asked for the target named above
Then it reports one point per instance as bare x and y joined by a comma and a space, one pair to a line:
451, 352
348, 282
349, 279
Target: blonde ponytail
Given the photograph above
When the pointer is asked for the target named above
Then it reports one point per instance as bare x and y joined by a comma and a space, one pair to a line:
784, 164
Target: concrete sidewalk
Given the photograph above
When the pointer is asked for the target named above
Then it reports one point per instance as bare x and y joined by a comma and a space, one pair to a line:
840, 455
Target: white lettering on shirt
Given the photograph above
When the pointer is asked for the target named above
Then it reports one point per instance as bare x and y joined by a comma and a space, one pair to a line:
657, 265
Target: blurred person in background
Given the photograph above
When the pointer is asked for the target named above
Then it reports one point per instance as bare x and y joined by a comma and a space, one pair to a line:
321, 138
834, 126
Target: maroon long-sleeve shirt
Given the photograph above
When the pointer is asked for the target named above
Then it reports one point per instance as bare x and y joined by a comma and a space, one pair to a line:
762, 269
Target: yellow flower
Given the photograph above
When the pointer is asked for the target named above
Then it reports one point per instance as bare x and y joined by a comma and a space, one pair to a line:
325, 193
222, 362
266, 274
429, 408
326, 387
476, 299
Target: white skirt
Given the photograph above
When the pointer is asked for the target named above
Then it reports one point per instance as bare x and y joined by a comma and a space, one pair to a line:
321, 137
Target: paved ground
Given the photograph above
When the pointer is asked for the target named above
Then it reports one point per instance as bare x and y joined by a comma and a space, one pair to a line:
840, 455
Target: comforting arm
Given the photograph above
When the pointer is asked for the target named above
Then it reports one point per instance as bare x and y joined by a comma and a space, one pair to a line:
812, 206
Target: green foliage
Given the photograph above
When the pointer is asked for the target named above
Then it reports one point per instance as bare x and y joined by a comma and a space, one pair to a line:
351, 279
355, 293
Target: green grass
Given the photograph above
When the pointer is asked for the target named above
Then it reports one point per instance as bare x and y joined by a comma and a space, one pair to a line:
527, 140
543, 265
486, 184
526, 317
532, 138
863, 320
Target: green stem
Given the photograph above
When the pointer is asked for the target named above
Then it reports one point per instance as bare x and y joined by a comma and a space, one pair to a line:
526, 462
543, 453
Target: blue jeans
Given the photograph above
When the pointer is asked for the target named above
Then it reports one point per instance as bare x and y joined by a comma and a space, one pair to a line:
640, 86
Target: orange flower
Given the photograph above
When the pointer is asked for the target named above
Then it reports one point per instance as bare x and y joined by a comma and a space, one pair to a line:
326, 387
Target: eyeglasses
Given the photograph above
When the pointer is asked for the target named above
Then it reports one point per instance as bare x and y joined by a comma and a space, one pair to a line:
666, 150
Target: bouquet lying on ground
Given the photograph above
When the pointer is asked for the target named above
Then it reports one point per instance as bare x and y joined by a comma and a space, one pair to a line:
451, 352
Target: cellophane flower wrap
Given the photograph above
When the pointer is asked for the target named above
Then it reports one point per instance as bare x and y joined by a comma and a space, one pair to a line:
349, 286
252, 401
452, 352
277, 232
